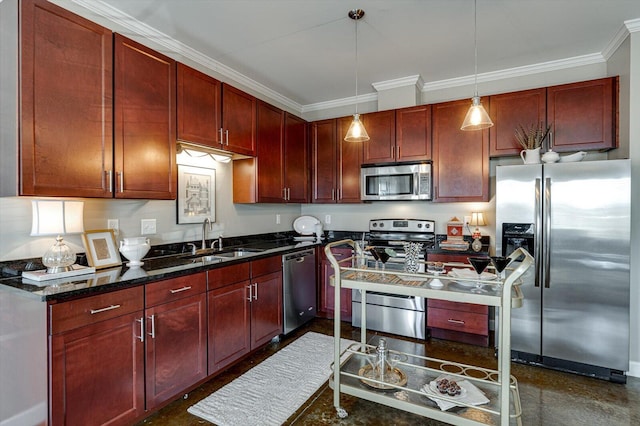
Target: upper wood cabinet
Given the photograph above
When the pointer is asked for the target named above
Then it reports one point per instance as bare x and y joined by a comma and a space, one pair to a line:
269, 132
508, 112
584, 115
398, 135
238, 131
144, 124
296, 159
335, 163
198, 107
66, 103
460, 158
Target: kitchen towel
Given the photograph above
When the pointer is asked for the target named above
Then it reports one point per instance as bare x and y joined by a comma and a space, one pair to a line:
273, 390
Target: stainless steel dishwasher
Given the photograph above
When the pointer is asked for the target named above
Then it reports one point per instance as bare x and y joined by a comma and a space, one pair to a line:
299, 286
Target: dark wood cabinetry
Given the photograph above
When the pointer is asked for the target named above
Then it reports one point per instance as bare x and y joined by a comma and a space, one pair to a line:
105, 329
238, 132
381, 127
336, 163
296, 159
269, 132
66, 141
460, 159
144, 123
176, 336
198, 107
327, 291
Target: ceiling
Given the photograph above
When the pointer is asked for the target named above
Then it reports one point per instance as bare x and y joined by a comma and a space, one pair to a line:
303, 51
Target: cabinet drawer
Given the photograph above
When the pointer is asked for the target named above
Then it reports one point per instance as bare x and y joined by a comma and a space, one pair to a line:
266, 266
457, 306
221, 277
77, 313
466, 322
174, 289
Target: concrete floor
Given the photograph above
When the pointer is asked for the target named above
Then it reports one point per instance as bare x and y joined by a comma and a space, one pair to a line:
548, 397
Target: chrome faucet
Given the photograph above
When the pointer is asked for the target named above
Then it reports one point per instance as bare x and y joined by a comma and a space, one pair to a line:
213, 243
204, 232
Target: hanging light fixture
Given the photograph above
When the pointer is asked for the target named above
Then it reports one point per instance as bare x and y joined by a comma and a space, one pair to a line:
477, 117
356, 132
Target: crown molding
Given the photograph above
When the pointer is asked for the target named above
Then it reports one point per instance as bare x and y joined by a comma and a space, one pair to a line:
594, 58
351, 101
412, 80
627, 28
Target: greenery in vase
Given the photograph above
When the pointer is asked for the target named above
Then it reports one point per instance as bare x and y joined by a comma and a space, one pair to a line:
531, 137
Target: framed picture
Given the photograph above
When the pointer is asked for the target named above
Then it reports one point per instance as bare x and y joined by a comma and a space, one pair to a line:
101, 248
196, 194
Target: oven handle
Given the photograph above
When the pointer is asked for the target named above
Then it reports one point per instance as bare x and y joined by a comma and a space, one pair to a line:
397, 296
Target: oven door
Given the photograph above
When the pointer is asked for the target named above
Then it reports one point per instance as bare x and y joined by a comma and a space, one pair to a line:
401, 315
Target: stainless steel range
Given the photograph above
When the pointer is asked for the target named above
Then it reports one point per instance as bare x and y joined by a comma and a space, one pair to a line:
402, 315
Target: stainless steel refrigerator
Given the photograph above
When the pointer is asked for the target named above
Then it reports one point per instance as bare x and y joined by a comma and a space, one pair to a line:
574, 218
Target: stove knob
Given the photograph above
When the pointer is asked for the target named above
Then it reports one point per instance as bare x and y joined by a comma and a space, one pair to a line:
375, 225
419, 225
382, 225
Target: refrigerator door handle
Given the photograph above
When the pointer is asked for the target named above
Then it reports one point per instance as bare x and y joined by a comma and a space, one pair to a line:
538, 231
547, 231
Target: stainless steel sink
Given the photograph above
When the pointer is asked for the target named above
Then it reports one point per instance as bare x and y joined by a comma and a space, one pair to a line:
240, 252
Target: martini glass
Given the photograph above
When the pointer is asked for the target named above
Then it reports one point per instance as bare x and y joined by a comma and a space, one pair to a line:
375, 255
383, 255
500, 263
479, 264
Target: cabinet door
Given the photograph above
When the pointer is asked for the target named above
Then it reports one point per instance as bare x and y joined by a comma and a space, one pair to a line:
296, 159
238, 121
66, 135
176, 347
229, 325
198, 107
584, 115
145, 130
266, 308
327, 291
270, 121
413, 133
381, 127
97, 373
509, 111
460, 158
349, 162
325, 159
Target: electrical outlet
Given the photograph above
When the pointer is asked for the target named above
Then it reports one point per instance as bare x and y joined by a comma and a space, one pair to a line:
327, 219
148, 226
113, 224
277, 219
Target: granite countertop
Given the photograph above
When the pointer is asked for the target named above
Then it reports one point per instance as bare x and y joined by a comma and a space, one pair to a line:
162, 262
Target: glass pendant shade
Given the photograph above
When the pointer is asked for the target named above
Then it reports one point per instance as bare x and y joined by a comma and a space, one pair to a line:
356, 132
477, 117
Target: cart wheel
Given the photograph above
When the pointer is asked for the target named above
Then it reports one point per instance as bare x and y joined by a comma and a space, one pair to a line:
342, 413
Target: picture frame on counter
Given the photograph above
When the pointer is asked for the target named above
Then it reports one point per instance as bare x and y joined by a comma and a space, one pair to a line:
101, 248
196, 194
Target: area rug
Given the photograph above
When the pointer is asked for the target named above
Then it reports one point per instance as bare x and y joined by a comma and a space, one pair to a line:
273, 390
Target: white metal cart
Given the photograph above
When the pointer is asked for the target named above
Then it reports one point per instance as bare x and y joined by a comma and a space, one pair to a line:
498, 385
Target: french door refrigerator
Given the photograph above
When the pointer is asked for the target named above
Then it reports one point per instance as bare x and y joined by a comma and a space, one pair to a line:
574, 218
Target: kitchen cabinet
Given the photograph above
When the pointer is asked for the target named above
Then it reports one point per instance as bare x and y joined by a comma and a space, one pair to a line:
238, 131
245, 309
460, 158
279, 173
144, 123
66, 140
398, 135
175, 336
327, 291
457, 321
105, 331
509, 111
584, 115
335, 163
198, 107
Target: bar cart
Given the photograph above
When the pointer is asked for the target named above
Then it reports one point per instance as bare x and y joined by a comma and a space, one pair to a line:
416, 372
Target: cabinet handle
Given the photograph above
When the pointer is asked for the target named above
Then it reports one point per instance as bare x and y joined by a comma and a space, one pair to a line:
455, 321
333, 194
108, 308
288, 194
250, 293
120, 177
153, 326
398, 155
255, 296
178, 290
550, 140
226, 137
284, 194
141, 336
110, 177
221, 140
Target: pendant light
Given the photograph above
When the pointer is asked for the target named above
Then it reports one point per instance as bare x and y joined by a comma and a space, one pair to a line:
477, 117
356, 132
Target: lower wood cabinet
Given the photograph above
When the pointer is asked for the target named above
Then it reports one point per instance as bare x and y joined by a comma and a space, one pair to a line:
245, 309
327, 291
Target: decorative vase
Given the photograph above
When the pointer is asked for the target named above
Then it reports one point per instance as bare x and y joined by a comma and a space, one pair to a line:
134, 249
530, 156
550, 157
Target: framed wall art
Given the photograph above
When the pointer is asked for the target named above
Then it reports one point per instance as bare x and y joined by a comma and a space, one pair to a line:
101, 249
196, 194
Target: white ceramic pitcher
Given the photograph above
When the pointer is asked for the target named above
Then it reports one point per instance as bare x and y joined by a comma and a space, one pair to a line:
530, 156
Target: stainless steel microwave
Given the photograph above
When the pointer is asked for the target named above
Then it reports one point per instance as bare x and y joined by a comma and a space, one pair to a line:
402, 181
